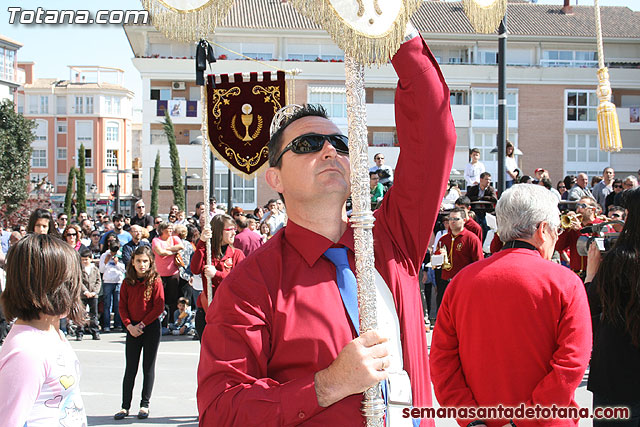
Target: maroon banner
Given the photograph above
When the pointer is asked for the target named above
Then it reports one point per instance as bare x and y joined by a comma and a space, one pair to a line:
239, 115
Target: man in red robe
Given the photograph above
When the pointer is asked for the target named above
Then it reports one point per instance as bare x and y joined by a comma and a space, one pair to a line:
515, 327
279, 347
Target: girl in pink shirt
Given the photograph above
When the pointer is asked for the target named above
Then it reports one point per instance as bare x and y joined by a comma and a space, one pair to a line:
39, 371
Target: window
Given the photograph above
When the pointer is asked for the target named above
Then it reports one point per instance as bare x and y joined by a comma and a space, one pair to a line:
485, 105
61, 180
88, 159
112, 158
39, 158
89, 104
383, 139
113, 132
62, 127
116, 105
62, 153
84, 132
244, 191
582, 106
44, 105
33, 104
161, 94
41, 130
9, 64
333, 99
79, 105
569, 58
583, 153
458, 97
488, 57
20, 103
383, 96
61, 105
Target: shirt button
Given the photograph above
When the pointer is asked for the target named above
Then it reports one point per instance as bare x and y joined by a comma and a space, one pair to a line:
301, 415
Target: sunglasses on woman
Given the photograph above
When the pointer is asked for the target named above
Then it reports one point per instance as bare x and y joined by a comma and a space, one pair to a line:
313, 142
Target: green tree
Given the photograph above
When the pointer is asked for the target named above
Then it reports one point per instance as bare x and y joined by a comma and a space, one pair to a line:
81, 187
176, 172
16, 137
68, 197
155, 186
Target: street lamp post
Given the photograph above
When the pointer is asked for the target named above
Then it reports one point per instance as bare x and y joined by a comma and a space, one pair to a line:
186, 180
116, 189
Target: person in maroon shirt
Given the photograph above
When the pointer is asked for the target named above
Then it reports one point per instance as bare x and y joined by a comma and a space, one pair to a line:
246, 240
224, 257
514, 328
141, 303
460, 247
586, 207
470, 224
279, 347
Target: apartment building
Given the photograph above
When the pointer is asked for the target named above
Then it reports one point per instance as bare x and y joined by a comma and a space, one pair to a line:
11, 77
551, 83
92, 108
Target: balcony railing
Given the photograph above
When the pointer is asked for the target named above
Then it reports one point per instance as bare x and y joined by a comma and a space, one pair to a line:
568, 63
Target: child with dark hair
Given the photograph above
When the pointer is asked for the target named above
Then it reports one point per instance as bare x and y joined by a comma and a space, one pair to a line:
141, 304
39, 371
91, 285
183, 319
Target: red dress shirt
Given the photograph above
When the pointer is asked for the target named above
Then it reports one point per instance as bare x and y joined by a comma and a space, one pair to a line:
512, 328
224, 265
278, 318
466, 249
134, 309
247, 241
474, 227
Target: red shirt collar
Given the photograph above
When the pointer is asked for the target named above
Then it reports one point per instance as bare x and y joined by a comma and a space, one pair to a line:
311, 245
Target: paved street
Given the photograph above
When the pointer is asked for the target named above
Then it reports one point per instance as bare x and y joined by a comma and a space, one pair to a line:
173, 400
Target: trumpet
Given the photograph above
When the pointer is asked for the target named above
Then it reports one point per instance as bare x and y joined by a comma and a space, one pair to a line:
570, 220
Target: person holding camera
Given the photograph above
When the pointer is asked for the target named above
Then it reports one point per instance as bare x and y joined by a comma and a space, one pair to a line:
113, 270
613, 287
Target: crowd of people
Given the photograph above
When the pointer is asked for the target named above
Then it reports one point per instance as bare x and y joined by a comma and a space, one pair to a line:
517, 303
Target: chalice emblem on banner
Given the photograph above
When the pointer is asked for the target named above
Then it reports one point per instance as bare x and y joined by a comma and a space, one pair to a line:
247, 120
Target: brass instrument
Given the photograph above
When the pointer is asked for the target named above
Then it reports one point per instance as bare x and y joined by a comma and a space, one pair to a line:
570, 220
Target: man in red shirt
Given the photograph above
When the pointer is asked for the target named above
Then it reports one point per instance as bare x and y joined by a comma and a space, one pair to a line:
246, 240
586, 207
460, 246
515, 327
279, 347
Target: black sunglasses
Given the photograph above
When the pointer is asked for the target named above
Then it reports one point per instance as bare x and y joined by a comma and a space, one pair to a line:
313, 142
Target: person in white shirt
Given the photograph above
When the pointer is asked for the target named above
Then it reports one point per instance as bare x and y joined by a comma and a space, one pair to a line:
274, 217
384, 171
474, 168
510, 166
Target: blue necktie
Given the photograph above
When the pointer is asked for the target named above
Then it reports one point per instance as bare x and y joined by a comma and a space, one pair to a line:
346, 283
349, 292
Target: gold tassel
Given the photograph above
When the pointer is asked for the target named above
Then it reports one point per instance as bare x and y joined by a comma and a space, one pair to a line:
608, 127
187, 25
363, 48
485, 15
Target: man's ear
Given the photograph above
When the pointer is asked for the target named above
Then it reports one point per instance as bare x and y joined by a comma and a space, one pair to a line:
272, 177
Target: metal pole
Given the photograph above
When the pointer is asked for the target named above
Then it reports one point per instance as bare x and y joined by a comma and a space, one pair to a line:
186, 200
230, 187
362, 219
118, 192
502, 102
212, 175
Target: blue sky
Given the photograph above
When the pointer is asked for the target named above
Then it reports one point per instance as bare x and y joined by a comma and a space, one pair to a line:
53, 47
